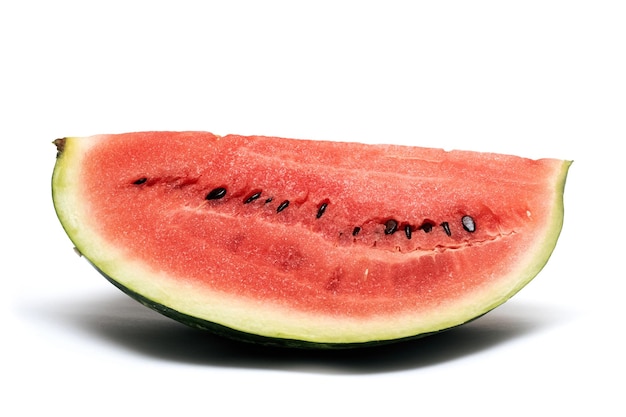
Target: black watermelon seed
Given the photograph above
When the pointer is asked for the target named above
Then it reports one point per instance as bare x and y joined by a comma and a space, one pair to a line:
446, 228
252, 197
216, 193
282, 206
321, 210
140, 181
468, 224
356, 231
427, 227
269, 200
391, 226
407, 231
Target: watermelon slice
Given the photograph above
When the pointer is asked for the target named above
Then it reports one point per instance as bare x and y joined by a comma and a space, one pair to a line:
307, 243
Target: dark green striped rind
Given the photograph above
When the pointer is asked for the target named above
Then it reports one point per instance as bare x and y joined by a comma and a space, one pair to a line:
227, 332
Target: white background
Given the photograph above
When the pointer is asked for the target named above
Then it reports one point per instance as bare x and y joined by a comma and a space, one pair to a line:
533, 78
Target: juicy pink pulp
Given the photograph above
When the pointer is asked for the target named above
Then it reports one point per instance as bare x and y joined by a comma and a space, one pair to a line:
291, 257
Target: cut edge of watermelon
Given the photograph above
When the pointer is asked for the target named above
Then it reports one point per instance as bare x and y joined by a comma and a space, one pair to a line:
250, 319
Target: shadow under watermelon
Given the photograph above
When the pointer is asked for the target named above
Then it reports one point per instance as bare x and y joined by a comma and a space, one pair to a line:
123, 322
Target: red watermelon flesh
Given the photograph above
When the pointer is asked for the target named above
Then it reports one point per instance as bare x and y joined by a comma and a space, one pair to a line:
328, 243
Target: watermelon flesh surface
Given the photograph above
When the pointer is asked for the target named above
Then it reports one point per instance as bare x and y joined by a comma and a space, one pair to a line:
326, 243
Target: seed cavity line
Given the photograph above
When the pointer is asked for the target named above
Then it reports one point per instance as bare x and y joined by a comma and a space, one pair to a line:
390, 225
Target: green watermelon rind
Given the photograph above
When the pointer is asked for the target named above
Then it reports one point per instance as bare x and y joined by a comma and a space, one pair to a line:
62, 177
241, 336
